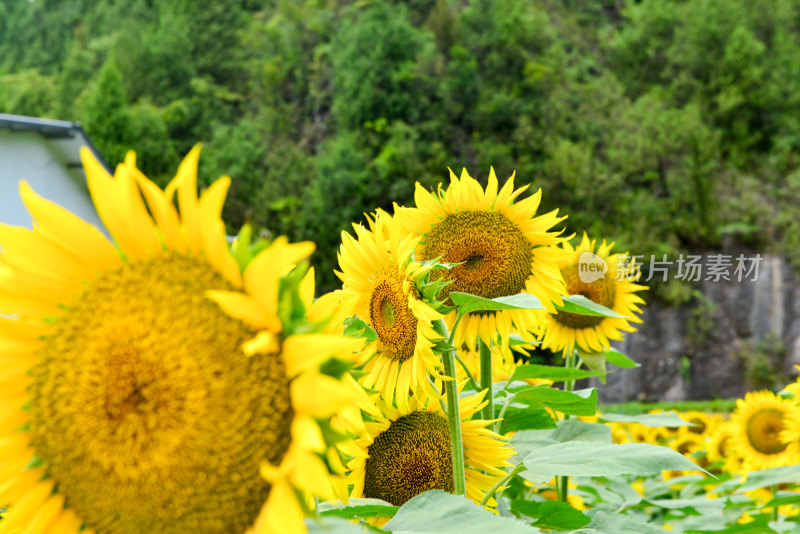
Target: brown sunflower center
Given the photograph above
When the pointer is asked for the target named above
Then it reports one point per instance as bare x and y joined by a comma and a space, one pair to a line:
494, 254
408, 458
699, 425
600, 291
391, 318
145, 412
763, 431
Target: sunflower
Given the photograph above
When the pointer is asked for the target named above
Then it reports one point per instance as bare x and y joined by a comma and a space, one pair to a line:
131, 401
407, 452
613, 288
381, 286
501, 247
719, 448
791, 428
758, 421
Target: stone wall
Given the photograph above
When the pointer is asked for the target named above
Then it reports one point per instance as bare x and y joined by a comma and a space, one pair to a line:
701, 349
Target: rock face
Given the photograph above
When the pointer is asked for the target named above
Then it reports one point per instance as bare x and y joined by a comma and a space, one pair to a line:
733, 336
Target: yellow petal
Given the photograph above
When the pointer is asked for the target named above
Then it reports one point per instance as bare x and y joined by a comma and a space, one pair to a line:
215, 243
246, 309
319, 395
25, 508
307, 434
185, 182
121, 208
76, 235
164, 212
281, 514
46, 516
263, 274
68, 523
265, 342
305, 351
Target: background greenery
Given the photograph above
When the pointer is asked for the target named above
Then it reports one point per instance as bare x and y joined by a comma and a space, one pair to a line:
663, 124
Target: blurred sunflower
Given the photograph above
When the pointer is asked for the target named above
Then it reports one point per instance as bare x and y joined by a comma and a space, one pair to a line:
719, 448
702, 423
758, 421
381, 287
127, 403
615, 290
407, 452
502, 247
790, 435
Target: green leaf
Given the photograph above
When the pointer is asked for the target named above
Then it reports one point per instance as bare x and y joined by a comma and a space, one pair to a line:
515, 340
358, 508
549, 372
467, 303
355, 327
582, 402
552, 515
653, 420
613, 523
431, 290
567, 430
597, 363
769, 477
588, 458
580, 305
615, 357
783, 498
437, 512
526, 418
339, 525
577, 430
759, 525
697, 505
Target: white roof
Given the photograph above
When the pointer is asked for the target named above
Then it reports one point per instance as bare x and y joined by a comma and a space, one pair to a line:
46, 153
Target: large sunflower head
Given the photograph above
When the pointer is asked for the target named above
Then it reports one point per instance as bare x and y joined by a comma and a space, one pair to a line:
502, 248
382, 287
407, 452
759, 420
604, 278
149, 385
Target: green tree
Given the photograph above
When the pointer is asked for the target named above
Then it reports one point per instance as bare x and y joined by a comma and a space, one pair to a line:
107, 118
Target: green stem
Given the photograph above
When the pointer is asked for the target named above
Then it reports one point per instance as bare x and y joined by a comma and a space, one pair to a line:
489, 494
453, 417
774, 507
472, 381
562, 482
499, 423
487, 412
453, 331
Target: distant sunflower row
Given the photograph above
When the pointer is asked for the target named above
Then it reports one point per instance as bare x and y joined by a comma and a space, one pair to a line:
762, 432
164, 381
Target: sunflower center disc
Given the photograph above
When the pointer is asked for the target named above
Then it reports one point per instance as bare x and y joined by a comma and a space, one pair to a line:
408, 458
145, 412
600, 291
391, 318
764, 429
495, 255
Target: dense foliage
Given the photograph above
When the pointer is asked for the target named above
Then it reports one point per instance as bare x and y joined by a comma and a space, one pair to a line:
663, 124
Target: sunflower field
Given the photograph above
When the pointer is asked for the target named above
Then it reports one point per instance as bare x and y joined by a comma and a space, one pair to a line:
168, 380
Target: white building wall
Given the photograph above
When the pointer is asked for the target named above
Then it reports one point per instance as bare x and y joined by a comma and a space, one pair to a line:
28, 156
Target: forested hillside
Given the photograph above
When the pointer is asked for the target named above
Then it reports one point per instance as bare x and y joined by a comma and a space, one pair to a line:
662, 124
